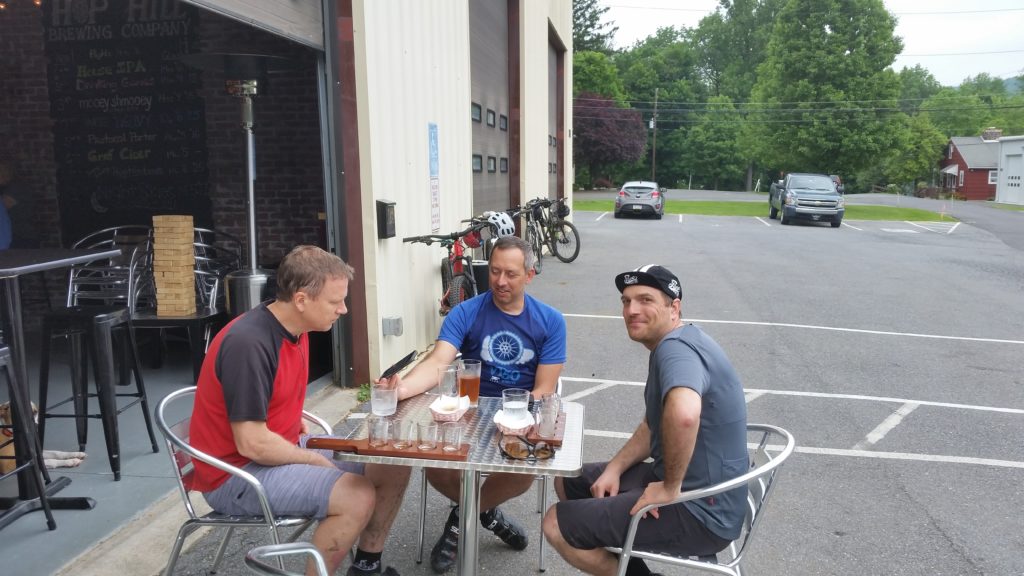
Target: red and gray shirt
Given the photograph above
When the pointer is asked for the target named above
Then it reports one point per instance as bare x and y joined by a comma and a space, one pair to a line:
255, 370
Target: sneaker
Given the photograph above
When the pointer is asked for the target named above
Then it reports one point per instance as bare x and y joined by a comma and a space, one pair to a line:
442, 556
507, 529
355, 570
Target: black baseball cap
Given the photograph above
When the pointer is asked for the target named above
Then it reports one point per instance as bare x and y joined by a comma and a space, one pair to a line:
651, 275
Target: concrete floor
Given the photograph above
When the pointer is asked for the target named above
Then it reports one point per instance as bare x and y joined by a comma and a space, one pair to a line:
26, 546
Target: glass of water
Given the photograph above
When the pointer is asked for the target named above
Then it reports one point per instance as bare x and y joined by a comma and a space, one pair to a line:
383, 400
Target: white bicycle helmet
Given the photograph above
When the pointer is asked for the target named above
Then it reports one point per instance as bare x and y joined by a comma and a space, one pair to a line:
502, 224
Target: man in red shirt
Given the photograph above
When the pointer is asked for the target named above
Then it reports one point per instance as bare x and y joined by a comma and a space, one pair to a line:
248, 412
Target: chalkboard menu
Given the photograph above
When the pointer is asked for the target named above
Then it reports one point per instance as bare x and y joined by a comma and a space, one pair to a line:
129, 124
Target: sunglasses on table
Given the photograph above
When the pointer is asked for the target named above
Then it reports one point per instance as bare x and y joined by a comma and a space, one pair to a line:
519, 448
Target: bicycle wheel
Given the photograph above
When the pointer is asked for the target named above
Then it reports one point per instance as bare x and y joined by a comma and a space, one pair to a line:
534, 239
446, 274
565, 241
459, 291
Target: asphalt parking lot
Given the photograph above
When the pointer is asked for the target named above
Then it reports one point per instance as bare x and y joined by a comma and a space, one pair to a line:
893, 352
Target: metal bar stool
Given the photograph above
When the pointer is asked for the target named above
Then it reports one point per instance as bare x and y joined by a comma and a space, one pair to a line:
93, 328
27, 456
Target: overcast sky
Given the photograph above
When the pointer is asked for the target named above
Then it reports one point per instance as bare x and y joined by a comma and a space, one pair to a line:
951, 38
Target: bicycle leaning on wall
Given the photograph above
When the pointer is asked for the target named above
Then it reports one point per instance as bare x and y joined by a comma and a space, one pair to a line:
458, 283
546, 226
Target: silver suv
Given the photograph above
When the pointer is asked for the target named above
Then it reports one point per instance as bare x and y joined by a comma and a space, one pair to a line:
641, 198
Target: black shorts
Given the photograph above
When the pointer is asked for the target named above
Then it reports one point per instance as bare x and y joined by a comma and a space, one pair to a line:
587, 522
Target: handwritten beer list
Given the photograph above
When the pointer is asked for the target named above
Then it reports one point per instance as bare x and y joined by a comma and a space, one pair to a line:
130, 138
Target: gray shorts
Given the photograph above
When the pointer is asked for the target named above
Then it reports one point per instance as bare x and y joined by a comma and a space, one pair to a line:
587, 522
292, 489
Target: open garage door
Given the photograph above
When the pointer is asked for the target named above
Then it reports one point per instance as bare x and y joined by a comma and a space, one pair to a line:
298, 20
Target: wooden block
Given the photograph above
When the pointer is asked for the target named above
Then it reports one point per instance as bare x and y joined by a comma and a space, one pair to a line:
169, 218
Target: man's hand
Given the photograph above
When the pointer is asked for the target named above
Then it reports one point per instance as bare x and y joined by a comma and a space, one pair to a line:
304, 427
655, 493
607, 484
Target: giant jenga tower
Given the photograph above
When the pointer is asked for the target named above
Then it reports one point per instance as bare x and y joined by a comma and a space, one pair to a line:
174, 263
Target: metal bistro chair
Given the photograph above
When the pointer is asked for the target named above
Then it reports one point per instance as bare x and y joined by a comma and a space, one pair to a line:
96, 324
767, 456
542, 502
182, 454
198, 325
256, 558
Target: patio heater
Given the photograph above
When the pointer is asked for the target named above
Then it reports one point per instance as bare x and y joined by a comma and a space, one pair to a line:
245, 78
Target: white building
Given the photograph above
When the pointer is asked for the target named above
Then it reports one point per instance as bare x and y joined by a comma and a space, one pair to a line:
1009, 188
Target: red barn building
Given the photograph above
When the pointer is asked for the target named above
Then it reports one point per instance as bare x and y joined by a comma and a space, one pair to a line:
971, 165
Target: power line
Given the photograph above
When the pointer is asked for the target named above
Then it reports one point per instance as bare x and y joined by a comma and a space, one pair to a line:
928, 13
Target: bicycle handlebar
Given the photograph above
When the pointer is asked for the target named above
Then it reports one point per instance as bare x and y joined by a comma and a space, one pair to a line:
431, 238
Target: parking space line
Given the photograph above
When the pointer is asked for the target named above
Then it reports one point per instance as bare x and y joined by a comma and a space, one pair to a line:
830, 395
605, 384
680, 218
751, 396
953, 228
908, 456
608, 434
855, 453
759, 219
919, 226
814, 327
886, 426
854, 227
603, 214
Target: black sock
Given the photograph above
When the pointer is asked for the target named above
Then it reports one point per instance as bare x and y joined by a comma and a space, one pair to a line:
367, 560
637, 567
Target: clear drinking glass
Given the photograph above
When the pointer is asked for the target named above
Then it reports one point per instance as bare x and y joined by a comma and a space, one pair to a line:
383, 400
547, 417
469, 379
514, 404
451, 436
448, 387
427, 435
403, 433
378, 430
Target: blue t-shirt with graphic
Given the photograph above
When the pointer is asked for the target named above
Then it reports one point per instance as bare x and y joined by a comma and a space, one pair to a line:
509, 347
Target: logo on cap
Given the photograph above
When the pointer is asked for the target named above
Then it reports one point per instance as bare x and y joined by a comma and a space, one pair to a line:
674, 287
630, 279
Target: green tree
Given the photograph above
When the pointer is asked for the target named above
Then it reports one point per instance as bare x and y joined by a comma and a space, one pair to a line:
589, 31
916, 85
956, 114
825, 89
593, 72
731, 44
710, 149
663, 67
916, 152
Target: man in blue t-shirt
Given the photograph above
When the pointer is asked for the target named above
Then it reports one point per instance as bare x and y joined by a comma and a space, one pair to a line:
693, 432
521, 344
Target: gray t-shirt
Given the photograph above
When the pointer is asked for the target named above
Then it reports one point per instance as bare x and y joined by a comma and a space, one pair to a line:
689, 357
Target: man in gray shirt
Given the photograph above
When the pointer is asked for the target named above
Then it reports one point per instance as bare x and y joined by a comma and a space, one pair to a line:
694, 432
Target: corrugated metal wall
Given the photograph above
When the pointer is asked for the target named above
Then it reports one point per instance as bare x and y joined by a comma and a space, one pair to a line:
412, 66
488, 22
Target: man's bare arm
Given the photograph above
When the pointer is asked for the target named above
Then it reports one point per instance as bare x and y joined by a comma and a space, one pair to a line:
546, 380
258, 443
680, 420
636, 449
423, 376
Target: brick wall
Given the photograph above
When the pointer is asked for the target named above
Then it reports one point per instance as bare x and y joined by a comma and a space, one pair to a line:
289, 186
26, 136
289, 177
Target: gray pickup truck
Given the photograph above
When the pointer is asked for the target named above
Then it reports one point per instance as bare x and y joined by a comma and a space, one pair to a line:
806, 196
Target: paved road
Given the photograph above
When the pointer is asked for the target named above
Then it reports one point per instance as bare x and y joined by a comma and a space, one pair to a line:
891, 350
1007, 225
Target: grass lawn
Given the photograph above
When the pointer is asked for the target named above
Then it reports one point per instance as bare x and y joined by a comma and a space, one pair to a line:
711, 208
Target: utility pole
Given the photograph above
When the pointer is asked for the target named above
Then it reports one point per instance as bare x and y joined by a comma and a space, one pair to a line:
654, 129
